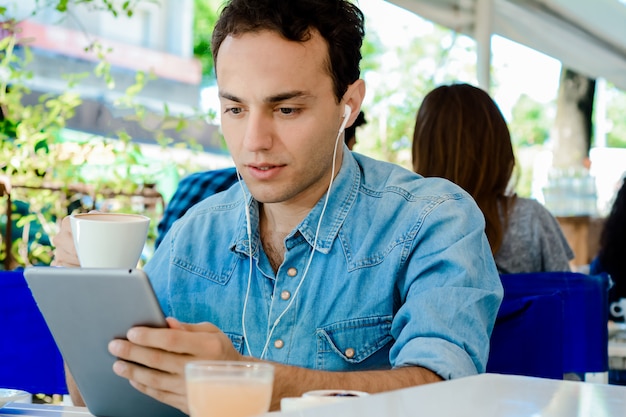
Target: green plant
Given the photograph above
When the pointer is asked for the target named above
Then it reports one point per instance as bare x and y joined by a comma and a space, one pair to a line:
53, 173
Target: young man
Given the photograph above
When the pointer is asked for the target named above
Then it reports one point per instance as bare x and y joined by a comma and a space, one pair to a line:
343, 271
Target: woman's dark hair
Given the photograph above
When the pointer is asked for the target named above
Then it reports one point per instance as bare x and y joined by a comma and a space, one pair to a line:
612, 255
339, 22
460, 134
351, 130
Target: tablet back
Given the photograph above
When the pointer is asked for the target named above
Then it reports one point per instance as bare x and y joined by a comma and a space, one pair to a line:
85, 309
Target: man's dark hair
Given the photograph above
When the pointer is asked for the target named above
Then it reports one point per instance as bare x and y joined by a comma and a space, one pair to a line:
351, 130
339, 22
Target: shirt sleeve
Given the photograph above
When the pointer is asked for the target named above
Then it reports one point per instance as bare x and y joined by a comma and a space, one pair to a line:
452, 293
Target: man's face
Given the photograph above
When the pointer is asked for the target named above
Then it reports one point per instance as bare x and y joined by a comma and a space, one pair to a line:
279, 115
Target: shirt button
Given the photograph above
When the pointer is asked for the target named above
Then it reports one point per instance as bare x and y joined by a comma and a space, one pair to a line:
278, 344
349, 353
285, 295
292, 272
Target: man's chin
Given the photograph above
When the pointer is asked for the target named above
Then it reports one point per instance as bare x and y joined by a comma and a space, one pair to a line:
267, 194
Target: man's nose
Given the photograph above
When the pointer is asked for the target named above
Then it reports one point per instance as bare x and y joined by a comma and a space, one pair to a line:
259, 132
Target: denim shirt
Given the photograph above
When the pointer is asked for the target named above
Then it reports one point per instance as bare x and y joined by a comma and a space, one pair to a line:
402, 275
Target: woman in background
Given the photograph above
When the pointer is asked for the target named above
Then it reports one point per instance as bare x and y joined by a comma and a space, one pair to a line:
612, 254
460, 134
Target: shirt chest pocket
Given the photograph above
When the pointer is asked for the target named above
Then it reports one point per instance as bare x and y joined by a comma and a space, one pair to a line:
355, 344
237, 341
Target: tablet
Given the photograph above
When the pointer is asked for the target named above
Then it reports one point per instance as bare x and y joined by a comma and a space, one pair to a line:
87, 308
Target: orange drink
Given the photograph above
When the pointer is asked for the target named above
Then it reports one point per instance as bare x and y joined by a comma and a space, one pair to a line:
228, 389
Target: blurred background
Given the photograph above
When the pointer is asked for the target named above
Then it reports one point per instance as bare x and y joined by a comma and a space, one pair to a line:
107, 104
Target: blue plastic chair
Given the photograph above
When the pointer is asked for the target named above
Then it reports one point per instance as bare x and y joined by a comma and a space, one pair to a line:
30, 358
551, 324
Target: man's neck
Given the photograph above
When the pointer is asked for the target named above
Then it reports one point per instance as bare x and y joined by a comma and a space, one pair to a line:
276, 222
280, 218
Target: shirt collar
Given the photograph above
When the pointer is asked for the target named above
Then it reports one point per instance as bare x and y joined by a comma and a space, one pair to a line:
342, 196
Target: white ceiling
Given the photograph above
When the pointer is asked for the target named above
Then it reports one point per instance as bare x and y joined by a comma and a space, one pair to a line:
588, 36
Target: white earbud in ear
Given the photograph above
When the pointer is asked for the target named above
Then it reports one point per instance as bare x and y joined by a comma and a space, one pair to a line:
346, 116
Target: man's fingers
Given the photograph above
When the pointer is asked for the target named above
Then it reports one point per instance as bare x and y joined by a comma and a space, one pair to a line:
198, 327
180, 337
152, 358
151, 347
64, 252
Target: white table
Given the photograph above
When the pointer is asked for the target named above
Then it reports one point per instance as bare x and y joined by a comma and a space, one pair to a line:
43, 410
487, 395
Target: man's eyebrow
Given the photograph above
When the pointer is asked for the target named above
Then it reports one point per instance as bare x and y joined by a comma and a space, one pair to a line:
230, 97
271, 99
286, 96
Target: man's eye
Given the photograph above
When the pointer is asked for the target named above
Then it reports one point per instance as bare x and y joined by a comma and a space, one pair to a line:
288, 110
234, 110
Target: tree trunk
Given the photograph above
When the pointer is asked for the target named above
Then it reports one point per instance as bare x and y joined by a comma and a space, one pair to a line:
573, 122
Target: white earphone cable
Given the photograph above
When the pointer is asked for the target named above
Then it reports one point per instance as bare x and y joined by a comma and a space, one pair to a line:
306, 270
249, 232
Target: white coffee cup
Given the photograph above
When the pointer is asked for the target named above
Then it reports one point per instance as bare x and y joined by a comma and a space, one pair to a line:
618, 308
318, 397
109, 240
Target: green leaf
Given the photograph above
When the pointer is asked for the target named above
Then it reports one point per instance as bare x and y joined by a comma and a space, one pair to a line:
124, 137
62, 5
4, 42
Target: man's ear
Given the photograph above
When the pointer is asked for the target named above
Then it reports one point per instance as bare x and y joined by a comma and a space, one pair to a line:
354, 96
